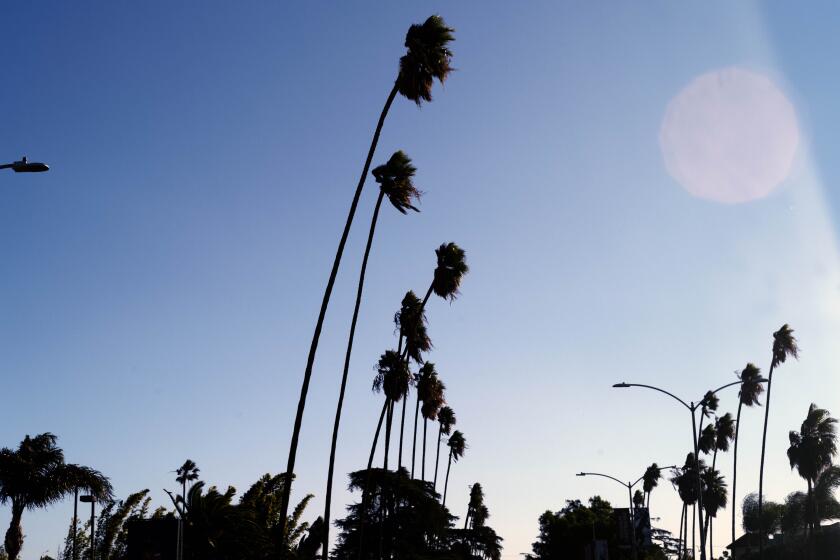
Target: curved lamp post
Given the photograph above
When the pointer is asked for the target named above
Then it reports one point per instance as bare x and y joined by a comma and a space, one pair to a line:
629, 486
26, 166
692, 409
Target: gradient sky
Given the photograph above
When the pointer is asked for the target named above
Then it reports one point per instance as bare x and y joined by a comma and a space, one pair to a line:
160, 284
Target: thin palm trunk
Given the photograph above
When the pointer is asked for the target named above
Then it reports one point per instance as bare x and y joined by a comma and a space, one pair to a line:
735, 469
388, 420
344, 375
402, 429
696, 437
313, 348
446, 482
366, 489
414, 444
761, 468
437, 456
693, 529
423, 465
680, 537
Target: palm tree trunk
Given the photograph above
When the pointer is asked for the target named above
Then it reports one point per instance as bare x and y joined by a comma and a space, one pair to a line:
761, 468
693, 529
414, 444
735, 469
344, 375
446, 482
696, 436
680, 537
423, 465
402, 429
313, 348
388, 421
437, 456
14, 534
366, 489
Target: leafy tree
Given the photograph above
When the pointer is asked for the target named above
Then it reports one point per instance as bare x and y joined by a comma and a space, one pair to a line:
34, 476
427, 59
765, 521
811, 451
748, 395
784, 346
565, 533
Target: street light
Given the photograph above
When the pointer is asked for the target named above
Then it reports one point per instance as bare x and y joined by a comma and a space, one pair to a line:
692, 408
629, 486
90, 499
26, 166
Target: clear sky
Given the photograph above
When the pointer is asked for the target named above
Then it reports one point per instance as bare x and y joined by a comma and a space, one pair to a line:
160, 284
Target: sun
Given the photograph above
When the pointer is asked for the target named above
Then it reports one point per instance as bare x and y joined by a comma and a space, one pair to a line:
729, 136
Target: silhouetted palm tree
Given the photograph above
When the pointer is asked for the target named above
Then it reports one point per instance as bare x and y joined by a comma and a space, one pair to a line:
714, 499
395, 182
432, 400
826, 505
392, 378
749, 393
425, 378
446, 420
650, 480
457, 445
784, 345
427, 58
811, 451
35, 476
187, 472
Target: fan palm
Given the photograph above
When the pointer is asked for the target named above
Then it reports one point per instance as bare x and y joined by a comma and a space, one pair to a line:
392, 379
188, 472
35, 475
433, 400
425, 380
750, 391
714, 499
457, 445
446, 420
784, 345
811, 451
395, 180
650, 480
427, 58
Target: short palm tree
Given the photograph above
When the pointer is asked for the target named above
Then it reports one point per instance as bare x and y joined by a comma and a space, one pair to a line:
784, 346
395, 180
714, 499
457, 445
35, 475
650, 480
427, 58
188, 472
811, 451
446, 420
750, 391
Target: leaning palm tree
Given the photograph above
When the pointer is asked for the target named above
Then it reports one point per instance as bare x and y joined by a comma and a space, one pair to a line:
426, 380
715, 437
714, 499
446, 420
750, 391
34, 476
650, 480
811, 452
395, 180
427, 58
433, 400
457, 445
392, 379
784, 345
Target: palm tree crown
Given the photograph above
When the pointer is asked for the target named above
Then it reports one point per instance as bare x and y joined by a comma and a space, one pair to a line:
714, 491
446, 417
428, 59
706, 441
710, 403
650, 480
392, 376
395, 181
784, 345
451, 268
457, 445
187, 472
812, 448
751, 386
411, 321
430, 391
724, 432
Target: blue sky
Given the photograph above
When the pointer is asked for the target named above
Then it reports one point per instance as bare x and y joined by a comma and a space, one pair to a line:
161, 282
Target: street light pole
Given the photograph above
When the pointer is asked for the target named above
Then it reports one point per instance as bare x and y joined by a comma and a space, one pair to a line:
92, 500
629, 486
692, 409
75, 519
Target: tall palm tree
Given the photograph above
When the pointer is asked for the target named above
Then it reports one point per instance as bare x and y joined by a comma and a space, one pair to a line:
714, 499
457, 445
188, 472
784, 345
715, 437
650, 480
446, 420
811, 451
427, 58
748, 395
35, 476
411, 321
432, 402
392, 378
395, 180
425, 380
